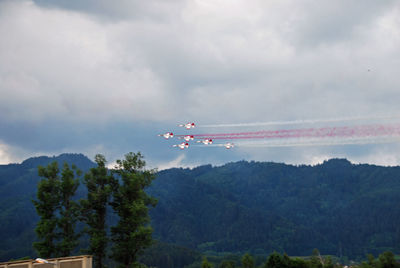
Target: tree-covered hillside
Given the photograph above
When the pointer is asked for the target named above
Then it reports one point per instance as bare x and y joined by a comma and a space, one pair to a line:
18, 186
338, 207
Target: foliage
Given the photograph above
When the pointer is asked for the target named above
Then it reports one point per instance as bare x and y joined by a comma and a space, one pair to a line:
206, 264
341, 208
160, 254
58, 212
99, 183
344, 209
69, 210
227, 264
247, 261
47, 205
132, 234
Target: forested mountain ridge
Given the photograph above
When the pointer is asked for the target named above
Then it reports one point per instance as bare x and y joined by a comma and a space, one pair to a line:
338, 207
18, 186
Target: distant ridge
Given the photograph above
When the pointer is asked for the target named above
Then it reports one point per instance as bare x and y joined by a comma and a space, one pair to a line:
341, 208
71, 158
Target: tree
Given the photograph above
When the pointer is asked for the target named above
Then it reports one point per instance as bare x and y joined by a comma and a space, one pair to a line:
328, 263
316, 259
69, 210
387, 260
227, 264
132, 234
99, 183
247, 261
57, 211
47, 204
205, 263
275, 260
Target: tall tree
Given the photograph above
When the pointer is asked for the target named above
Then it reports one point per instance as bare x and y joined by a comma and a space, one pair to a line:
206, 264
69, 209
99, 188
47, 204
133, 233
247, 261
57, 211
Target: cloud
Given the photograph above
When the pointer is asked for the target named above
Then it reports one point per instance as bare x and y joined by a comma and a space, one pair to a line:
5, 158
60, 64
172, 164
100, 75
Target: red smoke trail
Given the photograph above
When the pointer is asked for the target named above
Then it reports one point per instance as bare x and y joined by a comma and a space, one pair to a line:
346, 132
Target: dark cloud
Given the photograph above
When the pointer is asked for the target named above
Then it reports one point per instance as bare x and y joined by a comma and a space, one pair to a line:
81, 75
118, 10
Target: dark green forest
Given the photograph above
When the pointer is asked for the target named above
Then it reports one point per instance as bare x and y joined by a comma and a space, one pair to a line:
343, 209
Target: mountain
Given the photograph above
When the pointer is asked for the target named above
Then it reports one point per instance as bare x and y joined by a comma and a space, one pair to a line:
18, 186
338, 207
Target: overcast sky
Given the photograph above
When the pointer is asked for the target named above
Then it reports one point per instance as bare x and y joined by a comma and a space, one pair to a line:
97, 76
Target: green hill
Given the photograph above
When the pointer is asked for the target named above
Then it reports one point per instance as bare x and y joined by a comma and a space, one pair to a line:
338, 207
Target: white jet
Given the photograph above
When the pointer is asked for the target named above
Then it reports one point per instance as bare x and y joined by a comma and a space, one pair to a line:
229, 145
182, 145
43, 261
167, 135
187, 137
188, 125
206, 141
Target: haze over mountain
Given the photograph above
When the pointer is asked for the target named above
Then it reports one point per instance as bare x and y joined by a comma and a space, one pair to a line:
338, 207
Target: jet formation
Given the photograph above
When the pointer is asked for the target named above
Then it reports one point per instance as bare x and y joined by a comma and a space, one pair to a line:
187, 138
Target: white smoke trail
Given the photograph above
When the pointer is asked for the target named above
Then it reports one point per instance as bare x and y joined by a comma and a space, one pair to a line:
296, 122
313, 142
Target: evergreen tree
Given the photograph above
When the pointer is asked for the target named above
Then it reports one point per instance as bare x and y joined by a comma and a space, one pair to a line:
47, 204
275, 260
387, 260
69, 210
316, 260
98, 182
58, 212
133, 233
206, 264
227, 264
329, 263
247, 261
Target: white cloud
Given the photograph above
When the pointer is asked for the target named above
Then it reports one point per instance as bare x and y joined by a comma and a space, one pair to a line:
5, 158
178, 162
207, 61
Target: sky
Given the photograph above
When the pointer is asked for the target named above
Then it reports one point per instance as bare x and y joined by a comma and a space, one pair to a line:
108, 76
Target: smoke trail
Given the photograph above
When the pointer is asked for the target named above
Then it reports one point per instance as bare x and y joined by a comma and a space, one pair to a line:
295, 122
313, 142
354, 131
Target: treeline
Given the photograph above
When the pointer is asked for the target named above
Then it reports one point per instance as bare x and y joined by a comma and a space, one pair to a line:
276, 260
340, 208
121, 189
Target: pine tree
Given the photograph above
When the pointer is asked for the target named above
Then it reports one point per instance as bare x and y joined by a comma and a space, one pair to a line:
206, 264
47, 204
247, 261
69, 210
99, 186
133, 233
57, 211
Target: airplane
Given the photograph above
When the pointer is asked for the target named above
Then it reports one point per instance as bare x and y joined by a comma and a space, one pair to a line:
187, 137
167, 135
206, 141
182, 145
43, 261
187, 125
229, 145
